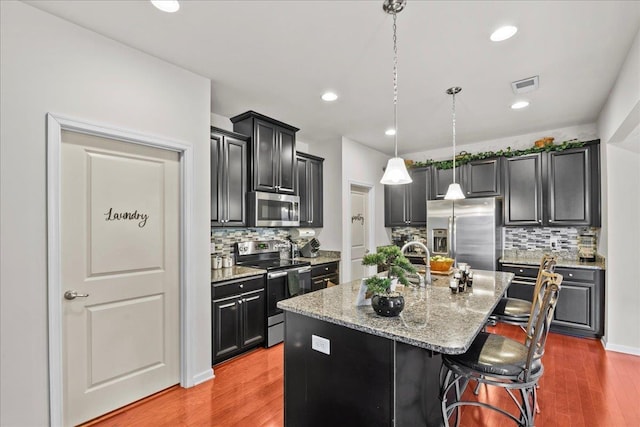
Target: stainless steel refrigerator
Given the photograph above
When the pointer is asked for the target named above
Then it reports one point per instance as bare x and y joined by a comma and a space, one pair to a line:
468, 230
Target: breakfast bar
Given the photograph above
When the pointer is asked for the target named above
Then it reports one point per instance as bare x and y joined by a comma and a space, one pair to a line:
346, 365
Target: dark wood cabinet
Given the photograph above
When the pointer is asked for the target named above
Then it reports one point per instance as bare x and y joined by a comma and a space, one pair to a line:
556, 188
238, 316
272, 152
228, 178
442, 178
322, 274
573, 187
310, 189
407, 204
580, 307
482, 178
523, 190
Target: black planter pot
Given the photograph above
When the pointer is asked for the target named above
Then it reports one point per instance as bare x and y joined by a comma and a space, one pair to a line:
387, 305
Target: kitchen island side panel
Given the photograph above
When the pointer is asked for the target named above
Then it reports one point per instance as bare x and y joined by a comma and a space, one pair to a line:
354, 384
351, 386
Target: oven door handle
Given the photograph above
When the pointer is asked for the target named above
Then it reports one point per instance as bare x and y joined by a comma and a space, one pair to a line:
304, 269
276, 275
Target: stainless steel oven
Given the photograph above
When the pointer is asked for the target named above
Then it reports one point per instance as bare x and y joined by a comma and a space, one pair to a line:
285, 278
273, 210
278, 289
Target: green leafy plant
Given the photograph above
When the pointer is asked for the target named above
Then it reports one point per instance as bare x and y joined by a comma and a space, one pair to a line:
465, 157
390, 259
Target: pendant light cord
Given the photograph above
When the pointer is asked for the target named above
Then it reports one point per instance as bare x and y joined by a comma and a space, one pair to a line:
454, 137
395, 84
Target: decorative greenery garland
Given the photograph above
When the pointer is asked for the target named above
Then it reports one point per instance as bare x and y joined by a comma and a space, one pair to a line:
465, 157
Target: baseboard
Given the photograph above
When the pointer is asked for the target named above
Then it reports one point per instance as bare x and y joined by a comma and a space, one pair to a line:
621, 348
203, 376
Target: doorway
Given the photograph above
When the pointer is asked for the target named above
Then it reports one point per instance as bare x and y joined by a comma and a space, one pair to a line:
360, 229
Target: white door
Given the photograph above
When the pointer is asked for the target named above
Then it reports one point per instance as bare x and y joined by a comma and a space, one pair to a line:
359, 225
120, 246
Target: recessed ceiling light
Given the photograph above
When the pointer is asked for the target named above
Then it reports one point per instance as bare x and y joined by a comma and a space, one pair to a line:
390, 132
169, 6
329, 96
503, 33
520, 104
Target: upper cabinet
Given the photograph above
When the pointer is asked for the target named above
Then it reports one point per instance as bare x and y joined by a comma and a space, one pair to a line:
442, 178
309, 187
228, 178
574, 187
482, 178
523, 190
556, 188
272, 152
478, 178
407, 204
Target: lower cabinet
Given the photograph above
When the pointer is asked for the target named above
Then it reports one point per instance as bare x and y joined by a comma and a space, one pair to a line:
238, 316
580, 307
322, 274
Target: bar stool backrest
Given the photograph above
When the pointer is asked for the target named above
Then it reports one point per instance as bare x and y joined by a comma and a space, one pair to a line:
541, 316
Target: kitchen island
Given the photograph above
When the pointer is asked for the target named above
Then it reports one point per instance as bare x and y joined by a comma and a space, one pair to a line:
345, 365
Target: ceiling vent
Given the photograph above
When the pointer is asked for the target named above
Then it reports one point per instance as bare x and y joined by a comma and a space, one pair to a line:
525, 85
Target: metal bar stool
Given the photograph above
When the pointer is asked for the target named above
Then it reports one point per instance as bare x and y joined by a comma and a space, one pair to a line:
498, 361
515, 311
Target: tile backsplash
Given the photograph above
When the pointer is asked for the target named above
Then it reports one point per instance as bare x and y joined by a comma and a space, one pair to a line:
224, 239
562, 241
519, 240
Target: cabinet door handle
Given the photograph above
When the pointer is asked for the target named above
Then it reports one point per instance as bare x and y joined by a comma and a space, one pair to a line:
241, 285
570, 274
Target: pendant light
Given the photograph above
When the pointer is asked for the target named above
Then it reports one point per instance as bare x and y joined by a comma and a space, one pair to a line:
396, 171
454, 192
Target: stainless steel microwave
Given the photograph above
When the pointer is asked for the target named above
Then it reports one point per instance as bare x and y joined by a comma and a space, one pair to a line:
273, 210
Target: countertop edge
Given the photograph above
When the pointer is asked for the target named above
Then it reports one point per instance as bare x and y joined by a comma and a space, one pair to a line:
599, 264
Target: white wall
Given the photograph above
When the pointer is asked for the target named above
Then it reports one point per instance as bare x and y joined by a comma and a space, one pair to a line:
330, 236
362, 165
618, 125
50, 65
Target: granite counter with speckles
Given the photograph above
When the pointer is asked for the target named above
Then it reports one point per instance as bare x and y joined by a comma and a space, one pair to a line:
433, 317
234, 272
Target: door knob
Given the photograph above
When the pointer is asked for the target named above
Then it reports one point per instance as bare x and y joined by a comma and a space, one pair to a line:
73, 295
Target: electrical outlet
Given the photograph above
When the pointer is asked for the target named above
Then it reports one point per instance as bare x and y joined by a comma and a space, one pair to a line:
320, 344
213, 247
553, 242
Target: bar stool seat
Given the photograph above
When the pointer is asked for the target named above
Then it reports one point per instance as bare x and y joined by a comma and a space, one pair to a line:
492, 354
515, 308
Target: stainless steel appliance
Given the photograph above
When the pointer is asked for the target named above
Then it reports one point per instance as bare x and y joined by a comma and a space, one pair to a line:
285, 278
468, 230
272, 210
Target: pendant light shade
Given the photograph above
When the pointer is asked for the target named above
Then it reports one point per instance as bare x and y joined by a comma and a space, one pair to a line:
396, 171
454, 192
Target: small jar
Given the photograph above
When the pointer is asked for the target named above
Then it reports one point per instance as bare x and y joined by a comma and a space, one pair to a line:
227, 262
216, 263
453, 286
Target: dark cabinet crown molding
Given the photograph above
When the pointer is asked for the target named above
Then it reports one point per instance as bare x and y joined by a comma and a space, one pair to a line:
253, 114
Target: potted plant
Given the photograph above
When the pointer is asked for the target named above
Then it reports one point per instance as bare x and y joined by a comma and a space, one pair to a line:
385, 301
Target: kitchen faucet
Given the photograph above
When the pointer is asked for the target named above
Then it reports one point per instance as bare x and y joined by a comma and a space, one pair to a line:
427, 270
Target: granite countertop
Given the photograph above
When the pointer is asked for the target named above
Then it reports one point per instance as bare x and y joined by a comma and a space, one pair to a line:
433, 317
319, 259
599, 263
235, 272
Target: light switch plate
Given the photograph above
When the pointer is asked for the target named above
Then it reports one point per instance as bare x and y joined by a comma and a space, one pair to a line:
213, 247
553, 242
320, 344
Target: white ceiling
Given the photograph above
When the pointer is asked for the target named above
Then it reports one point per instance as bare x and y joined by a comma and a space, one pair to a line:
277, 57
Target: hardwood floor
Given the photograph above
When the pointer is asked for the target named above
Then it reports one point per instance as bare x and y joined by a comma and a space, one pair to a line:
583, 386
